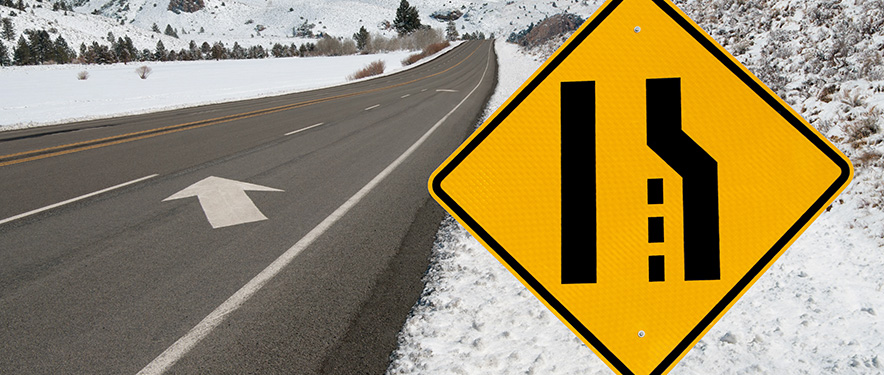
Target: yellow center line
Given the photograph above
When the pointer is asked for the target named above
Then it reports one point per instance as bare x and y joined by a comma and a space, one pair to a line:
150, 133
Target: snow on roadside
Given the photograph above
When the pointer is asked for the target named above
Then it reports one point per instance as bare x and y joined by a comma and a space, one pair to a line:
816, 310
51, 94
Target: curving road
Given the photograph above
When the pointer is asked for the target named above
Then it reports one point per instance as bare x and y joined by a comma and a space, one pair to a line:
277, 235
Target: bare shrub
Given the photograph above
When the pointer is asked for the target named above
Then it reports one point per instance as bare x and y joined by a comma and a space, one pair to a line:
422, 38
143, 71
84, 75
380, 43
436, 47
329, 46
852, 98
823, 126
416, 41
826, 93
547, 29
348, 47
863, 127
868, 157
427, 51
413, 58
372, 69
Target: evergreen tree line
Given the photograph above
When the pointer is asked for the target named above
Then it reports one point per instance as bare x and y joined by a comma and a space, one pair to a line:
40, 48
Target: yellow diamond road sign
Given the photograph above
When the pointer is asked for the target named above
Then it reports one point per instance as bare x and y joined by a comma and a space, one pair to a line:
640, 182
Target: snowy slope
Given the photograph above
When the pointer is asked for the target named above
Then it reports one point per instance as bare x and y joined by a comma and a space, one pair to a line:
336, 17
79, 28
232, 21
817, 310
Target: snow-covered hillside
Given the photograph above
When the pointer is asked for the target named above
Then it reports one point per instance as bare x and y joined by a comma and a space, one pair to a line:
240, 18
817, 310
77, 28
265, 22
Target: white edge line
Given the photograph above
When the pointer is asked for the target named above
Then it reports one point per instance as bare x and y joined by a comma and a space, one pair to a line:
59, 204
302, 129
181, 347
373, 107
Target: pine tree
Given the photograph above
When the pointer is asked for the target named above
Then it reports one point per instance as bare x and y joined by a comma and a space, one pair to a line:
160, 54
170, 31
205, 48
194, 51
40, 44
4, 55
8, 29
155, 28
122, 51
362, 38
238, 51
21, 53
99, 54
218, 51
278, 50
62, 51
451, 31
407, 18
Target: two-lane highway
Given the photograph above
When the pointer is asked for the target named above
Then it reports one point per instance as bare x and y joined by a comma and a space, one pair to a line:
279, 235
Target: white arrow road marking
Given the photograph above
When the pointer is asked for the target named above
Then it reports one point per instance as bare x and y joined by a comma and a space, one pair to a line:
445, 90
224, 201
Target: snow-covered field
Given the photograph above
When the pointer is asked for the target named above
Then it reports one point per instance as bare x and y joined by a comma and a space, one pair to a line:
49, 94
817, 310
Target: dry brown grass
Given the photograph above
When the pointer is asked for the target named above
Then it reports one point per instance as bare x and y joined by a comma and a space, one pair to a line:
427, 51
372, 69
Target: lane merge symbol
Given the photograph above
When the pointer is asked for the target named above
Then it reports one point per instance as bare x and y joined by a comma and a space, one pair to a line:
698, 170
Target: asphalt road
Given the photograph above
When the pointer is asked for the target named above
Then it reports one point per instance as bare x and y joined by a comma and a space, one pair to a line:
101, 272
